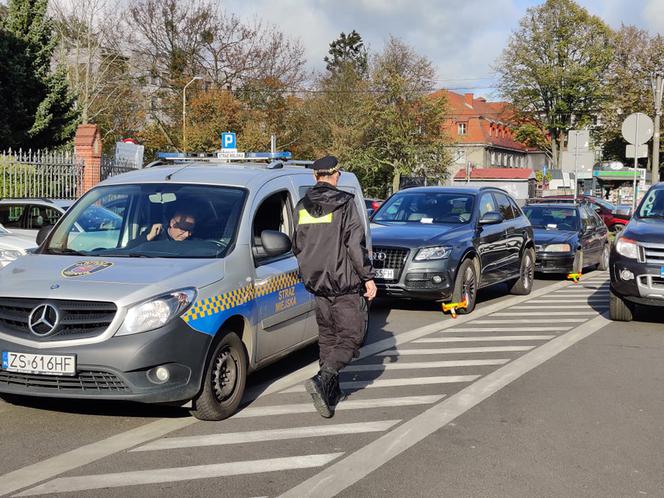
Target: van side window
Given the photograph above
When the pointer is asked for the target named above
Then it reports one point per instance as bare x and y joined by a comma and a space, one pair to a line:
274, 213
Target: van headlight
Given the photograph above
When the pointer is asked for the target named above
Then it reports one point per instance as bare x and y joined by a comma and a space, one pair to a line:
628, 248
156, 312
430, 253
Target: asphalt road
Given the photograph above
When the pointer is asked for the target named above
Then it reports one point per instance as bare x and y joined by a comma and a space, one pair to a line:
528, 396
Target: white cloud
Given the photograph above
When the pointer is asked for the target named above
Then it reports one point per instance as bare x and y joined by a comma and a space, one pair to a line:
653, 13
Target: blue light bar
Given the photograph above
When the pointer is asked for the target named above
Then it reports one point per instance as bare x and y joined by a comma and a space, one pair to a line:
269, 155
169, 155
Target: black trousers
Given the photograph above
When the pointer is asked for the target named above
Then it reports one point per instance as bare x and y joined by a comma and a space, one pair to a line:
342, 325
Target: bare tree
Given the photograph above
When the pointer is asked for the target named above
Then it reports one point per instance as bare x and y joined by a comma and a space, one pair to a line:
90, 47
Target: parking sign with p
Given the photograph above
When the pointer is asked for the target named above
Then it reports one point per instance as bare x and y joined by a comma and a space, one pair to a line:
228, 140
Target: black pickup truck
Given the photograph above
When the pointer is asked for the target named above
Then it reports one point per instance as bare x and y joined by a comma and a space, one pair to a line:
637, 259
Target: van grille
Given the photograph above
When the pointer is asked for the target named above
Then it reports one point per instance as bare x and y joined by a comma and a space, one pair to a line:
390, 257
84, 381
78, 319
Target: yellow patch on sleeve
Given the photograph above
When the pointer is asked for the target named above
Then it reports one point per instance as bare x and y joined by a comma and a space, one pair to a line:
306, 219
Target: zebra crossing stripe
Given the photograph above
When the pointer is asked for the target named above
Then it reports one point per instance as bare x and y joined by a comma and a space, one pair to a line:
267, 435
373, 367
487, 338
529, 320
156, 476
506, 329
552, 307
359, 404
538, 313
409, 381
494, 349
589, 301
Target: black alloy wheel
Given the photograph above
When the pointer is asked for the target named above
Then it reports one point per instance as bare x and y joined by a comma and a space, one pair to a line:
524, 284
224, 380
466, 286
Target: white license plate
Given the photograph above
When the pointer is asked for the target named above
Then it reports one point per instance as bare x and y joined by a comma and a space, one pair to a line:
385, 273
44, 364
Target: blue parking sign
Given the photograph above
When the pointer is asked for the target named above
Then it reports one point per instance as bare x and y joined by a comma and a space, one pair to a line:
228, 140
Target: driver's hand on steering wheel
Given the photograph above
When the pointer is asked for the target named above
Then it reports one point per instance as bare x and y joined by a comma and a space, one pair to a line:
154, 231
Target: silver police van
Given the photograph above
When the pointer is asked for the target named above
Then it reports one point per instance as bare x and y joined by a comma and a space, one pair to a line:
182, 283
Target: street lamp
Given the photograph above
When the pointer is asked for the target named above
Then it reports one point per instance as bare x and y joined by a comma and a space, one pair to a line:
184, 113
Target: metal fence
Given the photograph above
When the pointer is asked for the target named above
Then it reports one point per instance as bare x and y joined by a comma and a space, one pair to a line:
40, 174
111, 167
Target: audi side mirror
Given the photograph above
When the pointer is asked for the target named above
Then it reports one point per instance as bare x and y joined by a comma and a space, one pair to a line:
275, 243
43, 233
491, 218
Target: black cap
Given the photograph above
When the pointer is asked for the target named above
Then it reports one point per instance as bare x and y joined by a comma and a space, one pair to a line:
327, 164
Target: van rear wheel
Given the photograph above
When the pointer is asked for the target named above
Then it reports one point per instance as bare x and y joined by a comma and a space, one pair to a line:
224, 380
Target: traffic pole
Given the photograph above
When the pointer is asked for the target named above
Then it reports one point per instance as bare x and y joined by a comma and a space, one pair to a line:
636, 164
658, 89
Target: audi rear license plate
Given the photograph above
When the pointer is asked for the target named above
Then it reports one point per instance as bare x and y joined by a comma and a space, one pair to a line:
385, 273
43, 364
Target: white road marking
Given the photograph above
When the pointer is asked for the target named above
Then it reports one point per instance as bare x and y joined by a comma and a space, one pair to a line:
507, 329
267, 435
409, 381
589, 301
557, 313
552, 307
70, 460
344, 473
155, 476
493, 349
358, 404
529, 320
371, 367
487, 338
587, 292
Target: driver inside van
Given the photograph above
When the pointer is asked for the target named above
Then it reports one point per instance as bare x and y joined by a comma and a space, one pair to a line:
179, 228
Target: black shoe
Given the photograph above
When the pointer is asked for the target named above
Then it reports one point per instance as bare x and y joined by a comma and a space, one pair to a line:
330, 383
315, 388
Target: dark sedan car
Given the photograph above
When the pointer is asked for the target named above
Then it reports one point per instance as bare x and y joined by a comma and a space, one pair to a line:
637, 259
568, 237
443, 244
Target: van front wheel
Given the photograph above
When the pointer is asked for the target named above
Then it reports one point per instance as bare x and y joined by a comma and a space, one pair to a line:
224, 380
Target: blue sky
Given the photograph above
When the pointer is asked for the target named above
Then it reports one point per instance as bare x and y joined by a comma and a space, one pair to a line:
462, 38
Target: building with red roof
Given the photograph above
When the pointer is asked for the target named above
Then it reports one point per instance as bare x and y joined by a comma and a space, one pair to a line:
483, 135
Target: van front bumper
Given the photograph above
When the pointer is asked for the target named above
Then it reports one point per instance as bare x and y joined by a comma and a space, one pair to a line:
121, 368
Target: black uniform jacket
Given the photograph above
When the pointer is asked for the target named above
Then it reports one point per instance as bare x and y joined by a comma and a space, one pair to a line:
330, 243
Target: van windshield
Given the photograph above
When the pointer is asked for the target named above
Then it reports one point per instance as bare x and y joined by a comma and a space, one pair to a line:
151, 220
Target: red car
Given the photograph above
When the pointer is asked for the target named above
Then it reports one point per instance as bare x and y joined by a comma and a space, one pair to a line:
613, 219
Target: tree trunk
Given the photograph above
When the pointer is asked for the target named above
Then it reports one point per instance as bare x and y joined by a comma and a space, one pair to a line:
554, 150
396, 181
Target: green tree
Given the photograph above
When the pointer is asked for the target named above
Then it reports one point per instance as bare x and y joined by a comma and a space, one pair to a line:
346, 50
404, 123
554, 66
37, 99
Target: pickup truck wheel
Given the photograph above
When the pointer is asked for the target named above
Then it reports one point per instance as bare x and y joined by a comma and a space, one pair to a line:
224, 380
619, 310
603, 264
524, 284
465, 286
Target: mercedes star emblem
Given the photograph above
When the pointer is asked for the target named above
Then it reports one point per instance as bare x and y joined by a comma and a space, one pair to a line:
43, 320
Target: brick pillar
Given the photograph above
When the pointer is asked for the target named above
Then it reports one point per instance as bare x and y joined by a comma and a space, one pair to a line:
87, 147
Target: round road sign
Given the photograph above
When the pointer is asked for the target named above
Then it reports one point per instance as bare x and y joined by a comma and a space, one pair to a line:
637, 128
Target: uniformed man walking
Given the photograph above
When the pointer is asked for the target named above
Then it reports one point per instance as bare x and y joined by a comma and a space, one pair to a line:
330, 246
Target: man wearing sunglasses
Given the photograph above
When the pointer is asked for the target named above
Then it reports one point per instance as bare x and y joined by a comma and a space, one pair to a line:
179, 228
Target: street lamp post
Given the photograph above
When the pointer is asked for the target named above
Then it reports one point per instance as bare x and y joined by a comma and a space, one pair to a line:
184, 113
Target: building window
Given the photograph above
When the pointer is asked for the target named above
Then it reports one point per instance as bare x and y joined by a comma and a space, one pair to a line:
461, 128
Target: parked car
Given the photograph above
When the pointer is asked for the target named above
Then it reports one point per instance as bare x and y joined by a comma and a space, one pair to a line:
28, 216
614, 218
568, 237
372, 205
13, 246
442, 244
637, 259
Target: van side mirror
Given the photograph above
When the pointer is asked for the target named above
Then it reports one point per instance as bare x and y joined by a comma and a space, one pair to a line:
275, 243
491, 218
43, 233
